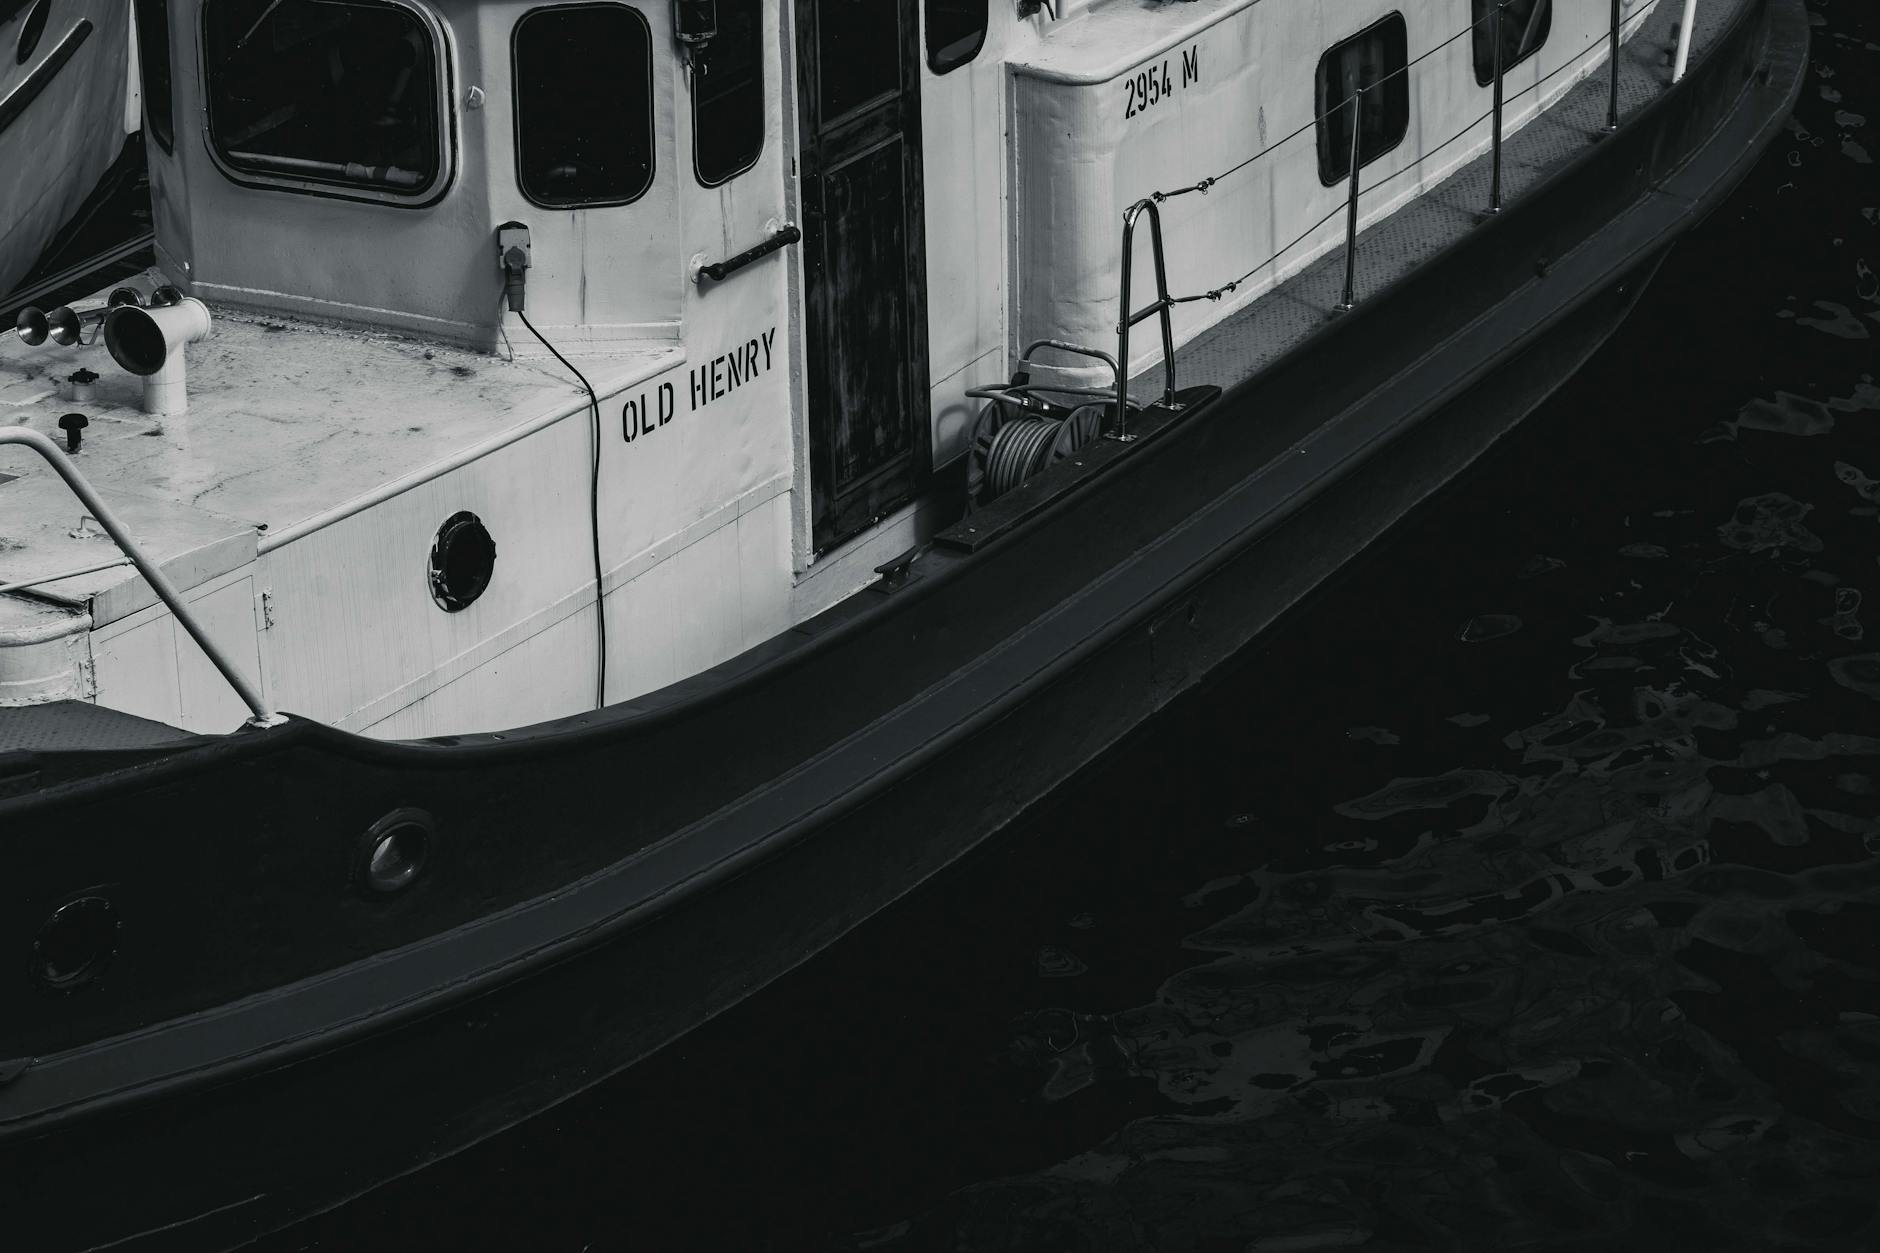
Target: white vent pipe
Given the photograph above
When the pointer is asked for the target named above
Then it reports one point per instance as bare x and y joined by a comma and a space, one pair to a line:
149, 342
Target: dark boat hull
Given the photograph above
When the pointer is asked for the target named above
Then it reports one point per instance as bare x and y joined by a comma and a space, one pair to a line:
210, 1126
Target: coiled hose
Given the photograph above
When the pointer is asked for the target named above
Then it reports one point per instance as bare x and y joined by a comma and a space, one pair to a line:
1020, 449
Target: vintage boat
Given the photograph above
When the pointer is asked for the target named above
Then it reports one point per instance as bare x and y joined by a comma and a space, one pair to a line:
68, 97
693, 471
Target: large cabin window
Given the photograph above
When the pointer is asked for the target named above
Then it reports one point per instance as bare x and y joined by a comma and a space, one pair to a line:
340, 93
1377, 60
1524, 27
584, 105
956, 30
153, 67
728, 94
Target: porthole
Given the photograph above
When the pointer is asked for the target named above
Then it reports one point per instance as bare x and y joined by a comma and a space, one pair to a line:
75, 945
394, 852
35, 27
463, 558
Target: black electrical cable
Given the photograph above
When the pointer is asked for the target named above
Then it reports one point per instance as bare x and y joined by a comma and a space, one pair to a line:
594, 505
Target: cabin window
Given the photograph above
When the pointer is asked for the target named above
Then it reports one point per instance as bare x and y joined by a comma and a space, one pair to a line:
584, 105
728, 94
153, 66
858, 55
341, 93
1375, 59
956, 30
1524, 27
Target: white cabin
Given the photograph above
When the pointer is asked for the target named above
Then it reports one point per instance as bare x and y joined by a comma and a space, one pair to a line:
381, 490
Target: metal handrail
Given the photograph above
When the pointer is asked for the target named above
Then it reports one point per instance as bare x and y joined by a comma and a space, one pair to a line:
1096, 354
1128, 317
153, 574
1496, 15
40, 580
1611, 37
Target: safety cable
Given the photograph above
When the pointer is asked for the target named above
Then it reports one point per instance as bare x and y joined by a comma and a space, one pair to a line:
1536, 85
1203, 185
594, 507
1425, 55
1217, 292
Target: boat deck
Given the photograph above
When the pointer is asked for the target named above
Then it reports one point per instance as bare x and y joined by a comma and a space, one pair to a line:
287, 420
1245, 343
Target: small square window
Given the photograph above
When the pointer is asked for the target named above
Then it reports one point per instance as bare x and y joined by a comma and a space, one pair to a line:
1524, 28
859, 54
728, 94
956, 30
1375, 60
584, 105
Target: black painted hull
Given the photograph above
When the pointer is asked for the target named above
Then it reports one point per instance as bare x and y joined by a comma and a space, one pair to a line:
602, 892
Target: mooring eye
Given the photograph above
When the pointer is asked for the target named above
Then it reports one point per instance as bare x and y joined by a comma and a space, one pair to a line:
75, 944
395, 850
463, 558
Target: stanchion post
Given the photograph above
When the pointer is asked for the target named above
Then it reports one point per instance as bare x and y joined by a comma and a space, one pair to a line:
1494, 182
1351, 207
1162, 307
1612, 86
1128, 318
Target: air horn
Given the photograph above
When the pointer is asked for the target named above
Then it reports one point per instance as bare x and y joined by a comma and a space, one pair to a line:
63, 325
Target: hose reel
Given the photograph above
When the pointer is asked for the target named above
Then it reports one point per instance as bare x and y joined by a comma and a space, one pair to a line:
1008, 448
1020, 449
1020, 432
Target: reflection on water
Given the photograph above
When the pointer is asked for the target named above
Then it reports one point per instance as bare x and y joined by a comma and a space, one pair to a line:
1619, 978
1523, 891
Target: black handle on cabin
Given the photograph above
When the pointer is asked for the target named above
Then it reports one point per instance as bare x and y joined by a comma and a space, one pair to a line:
718, 271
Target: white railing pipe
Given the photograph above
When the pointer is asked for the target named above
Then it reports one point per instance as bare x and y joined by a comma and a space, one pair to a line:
40, 580
153, 574
150, 343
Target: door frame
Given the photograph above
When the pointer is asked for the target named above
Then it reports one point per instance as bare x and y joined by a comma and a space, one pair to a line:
804, 559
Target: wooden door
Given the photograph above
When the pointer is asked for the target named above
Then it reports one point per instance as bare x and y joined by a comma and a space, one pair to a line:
858, 87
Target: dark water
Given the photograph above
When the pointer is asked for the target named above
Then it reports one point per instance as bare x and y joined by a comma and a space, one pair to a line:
1521, 892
